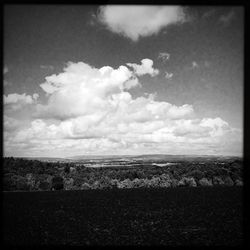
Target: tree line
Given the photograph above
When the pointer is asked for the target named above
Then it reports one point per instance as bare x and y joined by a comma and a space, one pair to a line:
33, 175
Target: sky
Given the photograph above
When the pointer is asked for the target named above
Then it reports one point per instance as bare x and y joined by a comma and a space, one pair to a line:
119, 80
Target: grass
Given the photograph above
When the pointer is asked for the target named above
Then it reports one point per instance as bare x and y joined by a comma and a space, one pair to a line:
174, 216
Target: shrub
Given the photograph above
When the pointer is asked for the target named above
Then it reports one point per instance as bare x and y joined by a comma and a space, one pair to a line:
155, 182
68, 183
30, 181
44, 185
138, 183
187, 181
114, 183
196, 174
8, 182
174, 182
127, 183
205, 182
85, 186
228, 181
57, 183
21, 183
209, 174
239, 182
67, 169
218, 180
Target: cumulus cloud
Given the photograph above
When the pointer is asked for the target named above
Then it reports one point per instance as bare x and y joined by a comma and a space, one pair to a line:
146, 67
50, 67
16, 101
81, 89
168, 75
164, 56
15, 98
195, 65
5, 70
209, 13
10, 123
227, 18
139, 21
90, 111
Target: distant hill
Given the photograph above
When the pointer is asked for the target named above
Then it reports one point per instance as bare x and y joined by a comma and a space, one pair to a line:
152, 157
49, 159
155, 157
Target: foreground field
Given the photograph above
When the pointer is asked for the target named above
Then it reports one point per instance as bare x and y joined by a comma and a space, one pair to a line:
175, 216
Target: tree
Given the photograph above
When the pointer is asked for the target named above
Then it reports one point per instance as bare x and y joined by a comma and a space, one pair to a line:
69, 183
228, 181
196, 174
67, 169
217, 180
205, 182
44, 185
57, 183
187, 181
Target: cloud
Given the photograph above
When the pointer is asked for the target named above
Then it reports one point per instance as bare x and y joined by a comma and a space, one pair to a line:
227, 18
81, 89
91, 111
50, 67
5, 70
168, 75
139, 21
16, 101
209, 13
195, 65
5, 83
164, 56
10, 123
146, 67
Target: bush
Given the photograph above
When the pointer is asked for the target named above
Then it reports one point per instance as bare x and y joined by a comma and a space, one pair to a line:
196, 174
205, 182
31, 181
187, 181
174, 182
67, 169
21, 183
85, 186
114, 183
8, 182
57, 183
127, 183
218, 180
228, 181
44, 185
239, 182
68, 183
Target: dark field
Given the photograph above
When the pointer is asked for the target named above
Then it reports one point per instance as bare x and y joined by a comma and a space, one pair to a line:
173, 216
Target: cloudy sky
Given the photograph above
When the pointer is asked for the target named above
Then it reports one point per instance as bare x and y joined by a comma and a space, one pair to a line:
101, 80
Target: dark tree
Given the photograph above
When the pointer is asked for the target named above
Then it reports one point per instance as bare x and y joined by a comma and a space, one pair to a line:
57, 183
67, 169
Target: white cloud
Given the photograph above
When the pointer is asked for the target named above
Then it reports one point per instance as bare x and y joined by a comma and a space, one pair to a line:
195, 65
10, 123
146, 67
16, 101
5, 70
227, 18
81, 89
209, 13
139, 21
168, 75
90, 111
50, 67
164, 56
5, 83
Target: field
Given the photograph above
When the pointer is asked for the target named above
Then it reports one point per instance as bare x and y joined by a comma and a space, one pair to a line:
173, 216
